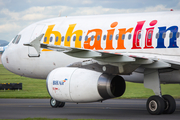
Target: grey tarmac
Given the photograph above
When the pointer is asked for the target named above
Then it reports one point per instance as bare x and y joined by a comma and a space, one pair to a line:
129, 109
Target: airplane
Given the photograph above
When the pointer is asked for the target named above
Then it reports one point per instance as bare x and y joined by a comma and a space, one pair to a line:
89, 58
3, 45
2, 49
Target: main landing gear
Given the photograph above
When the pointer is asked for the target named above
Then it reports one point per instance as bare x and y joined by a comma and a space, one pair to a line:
54, 103
157, 104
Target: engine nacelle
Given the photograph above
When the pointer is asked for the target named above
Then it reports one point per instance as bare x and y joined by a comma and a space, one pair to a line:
81, 85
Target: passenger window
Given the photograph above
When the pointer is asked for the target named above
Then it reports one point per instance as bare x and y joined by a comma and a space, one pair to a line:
80, 38
15, 39
117, 36
51, 38
104, 37
62, 38
45, 39
177, 35
18, 39
86, 38
74, 38
68, 38
110, 37
123, 36
164, 35
149, 35
139, 36
92, 37
129, 36
171, 35
98, 37
157, 35
57, 39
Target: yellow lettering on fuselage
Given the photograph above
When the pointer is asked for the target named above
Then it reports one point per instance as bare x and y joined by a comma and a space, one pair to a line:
57, 35
77, 33
48, 35
70, 33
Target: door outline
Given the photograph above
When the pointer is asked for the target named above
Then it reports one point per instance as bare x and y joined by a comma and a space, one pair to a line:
36, 32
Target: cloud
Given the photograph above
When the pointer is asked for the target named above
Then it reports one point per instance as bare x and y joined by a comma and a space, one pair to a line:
12, 15
100, 10
15, 15
33, 17
1, 3
157, 8
36, 9
9, 27
87, 2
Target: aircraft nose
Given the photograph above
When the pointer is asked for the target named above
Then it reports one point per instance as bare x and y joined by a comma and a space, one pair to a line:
4, 60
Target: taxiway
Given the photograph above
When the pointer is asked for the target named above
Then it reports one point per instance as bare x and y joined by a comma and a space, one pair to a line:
131, 109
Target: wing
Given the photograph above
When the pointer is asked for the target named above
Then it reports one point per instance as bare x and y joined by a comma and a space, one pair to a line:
114, 63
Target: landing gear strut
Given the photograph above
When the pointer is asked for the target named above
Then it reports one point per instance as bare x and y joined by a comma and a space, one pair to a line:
54, 103
157, 104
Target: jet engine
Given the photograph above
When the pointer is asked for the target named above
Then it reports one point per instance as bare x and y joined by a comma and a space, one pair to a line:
79, 85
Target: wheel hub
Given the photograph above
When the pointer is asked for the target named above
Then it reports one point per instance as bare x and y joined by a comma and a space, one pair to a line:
153, 105
53, 102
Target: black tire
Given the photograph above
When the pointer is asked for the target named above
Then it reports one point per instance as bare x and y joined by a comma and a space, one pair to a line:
54, 103
170, 104
61, 104
155, 105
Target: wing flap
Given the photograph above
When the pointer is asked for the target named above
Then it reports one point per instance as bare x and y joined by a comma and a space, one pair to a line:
116, 59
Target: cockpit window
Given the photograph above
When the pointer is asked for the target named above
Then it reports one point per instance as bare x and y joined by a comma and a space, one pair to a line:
16, 39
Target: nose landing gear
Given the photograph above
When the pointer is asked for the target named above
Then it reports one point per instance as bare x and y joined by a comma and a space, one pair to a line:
54, 103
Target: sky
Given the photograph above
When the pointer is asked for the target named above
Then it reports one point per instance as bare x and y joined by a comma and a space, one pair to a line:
15, 15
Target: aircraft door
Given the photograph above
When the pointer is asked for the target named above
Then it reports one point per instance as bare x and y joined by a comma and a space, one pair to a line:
37, 31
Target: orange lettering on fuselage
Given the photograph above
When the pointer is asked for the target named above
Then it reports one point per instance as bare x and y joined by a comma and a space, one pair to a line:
110, 34
97, 42
120, 44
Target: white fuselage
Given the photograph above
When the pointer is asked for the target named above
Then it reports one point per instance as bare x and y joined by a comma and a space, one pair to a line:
148, 35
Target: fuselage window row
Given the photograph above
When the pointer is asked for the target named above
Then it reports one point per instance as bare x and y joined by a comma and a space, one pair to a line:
92, 38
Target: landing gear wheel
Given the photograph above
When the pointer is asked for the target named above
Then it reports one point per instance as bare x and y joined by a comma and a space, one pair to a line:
170, 104
61, 104
54, 103
155, 105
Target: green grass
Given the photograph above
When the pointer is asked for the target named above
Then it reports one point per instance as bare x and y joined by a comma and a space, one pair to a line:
32, 88
36, 88
137, 90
